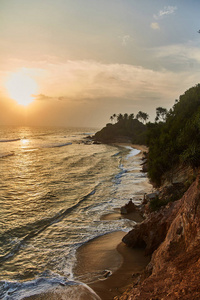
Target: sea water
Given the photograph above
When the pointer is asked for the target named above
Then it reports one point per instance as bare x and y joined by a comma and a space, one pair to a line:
54, 188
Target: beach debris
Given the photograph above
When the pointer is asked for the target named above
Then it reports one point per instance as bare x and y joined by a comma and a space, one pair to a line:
107, 273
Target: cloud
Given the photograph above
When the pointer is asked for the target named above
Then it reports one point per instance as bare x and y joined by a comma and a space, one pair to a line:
125, 39
180, 53
88, 81
168, 10
155, 26
42, 97
84, 85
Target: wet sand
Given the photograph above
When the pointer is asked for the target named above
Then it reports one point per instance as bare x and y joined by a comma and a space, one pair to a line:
98, 256
79, 292
101, 257
134, 216
105, 254
104, 251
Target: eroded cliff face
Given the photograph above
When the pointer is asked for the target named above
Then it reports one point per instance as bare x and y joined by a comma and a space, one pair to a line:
175, 264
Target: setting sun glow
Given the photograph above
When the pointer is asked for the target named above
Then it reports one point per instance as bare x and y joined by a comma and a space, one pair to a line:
21, 88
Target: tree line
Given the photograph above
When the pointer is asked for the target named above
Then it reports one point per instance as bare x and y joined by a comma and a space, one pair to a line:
173, 138
161, 115
142, 116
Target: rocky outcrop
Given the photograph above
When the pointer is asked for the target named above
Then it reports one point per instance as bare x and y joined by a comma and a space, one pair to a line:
175, 264
152, 231
128, 208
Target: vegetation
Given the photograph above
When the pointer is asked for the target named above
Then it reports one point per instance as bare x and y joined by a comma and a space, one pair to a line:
173, 139
125, 126
142, 116
157, 203
175, 136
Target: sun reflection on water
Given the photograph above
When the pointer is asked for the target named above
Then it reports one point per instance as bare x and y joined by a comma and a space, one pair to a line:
24, 142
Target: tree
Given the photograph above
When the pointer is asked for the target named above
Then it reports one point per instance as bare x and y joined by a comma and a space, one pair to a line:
161, 114
142, 116
131, 117
119, 117
125, 117
114, 117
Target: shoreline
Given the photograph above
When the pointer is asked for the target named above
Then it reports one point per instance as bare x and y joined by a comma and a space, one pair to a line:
133, 261
105, 254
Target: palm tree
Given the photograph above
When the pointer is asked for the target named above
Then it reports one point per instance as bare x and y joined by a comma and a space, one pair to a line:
131, 116
119, 117
142, 116
125, 116
114, 117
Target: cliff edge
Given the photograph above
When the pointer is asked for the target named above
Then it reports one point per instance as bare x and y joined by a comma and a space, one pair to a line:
173, 236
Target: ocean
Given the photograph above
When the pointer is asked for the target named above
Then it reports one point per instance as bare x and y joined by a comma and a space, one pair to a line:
54, 188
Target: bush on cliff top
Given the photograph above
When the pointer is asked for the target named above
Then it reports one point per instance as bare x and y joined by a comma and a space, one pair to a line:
177, 140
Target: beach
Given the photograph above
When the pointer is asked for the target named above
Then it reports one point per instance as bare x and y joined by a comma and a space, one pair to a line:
102, 255
107, 250
108, 253
61, 221
105, 264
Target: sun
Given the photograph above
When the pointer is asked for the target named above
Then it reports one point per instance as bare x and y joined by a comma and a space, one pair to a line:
21, 87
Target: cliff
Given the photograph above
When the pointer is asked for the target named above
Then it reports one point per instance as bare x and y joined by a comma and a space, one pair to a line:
173, 236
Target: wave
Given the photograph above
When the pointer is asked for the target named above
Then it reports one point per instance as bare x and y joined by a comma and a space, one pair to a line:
81, 161
25, 233
61, 286
56, 145
62, 145
117, 178
9, 140
87, 133
2, 155
116, 154
133, 152
13, 290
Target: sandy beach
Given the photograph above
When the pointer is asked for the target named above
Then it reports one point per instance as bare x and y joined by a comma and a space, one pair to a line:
108, 253
105, 254
100, 256
105, 265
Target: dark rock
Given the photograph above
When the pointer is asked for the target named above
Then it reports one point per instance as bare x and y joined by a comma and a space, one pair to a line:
96, 143
128, 208
152, 231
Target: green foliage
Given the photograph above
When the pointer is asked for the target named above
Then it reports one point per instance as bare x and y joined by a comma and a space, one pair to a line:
156, 203
161, 114
142, 116
176, 139
125, 126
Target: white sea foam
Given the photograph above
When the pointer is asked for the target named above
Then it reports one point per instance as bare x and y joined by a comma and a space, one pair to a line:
132, 152
69, 289
58, 196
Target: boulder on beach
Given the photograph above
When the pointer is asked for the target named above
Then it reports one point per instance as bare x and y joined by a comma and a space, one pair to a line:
128, 208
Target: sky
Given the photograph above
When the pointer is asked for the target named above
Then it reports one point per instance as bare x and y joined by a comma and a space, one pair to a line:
79, 62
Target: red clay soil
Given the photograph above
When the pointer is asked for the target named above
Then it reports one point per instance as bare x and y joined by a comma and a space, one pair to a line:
174, 270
